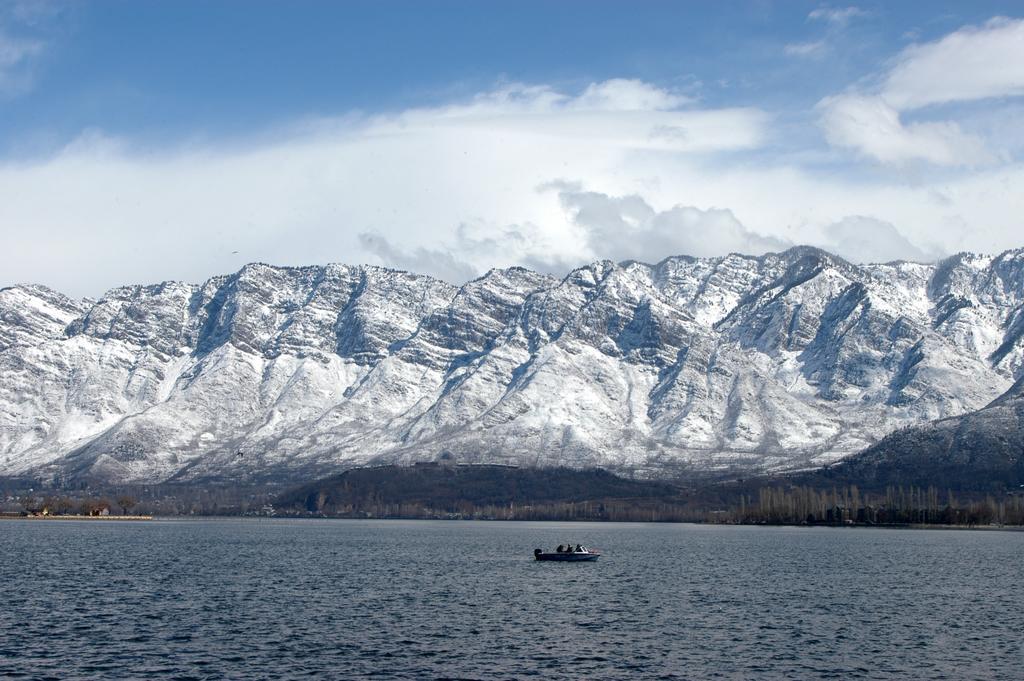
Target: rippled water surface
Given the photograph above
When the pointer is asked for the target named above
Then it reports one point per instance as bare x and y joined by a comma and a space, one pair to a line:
419, 599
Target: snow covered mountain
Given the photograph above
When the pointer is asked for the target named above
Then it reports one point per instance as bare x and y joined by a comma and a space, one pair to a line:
732, 364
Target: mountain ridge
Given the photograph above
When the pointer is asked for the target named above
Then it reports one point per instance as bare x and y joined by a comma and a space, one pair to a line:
687, 366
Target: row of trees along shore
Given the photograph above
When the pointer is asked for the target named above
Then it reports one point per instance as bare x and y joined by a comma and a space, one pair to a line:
896, 506
618, 510
768, 505
789, 504
164, 500
64, 505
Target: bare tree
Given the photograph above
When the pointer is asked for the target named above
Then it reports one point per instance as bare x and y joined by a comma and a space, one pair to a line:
126, 503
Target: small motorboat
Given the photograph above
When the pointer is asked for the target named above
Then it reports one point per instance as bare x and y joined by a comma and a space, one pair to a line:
569, 555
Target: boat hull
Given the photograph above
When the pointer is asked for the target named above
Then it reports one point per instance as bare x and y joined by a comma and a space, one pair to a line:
567, 557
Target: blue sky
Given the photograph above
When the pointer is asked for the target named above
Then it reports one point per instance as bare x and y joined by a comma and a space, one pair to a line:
187, 68
177, 140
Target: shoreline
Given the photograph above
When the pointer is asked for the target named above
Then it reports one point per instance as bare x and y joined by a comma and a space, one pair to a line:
200, 518
77, 517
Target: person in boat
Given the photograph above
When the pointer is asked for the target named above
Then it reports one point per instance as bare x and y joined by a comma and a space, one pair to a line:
579, 549
559, 549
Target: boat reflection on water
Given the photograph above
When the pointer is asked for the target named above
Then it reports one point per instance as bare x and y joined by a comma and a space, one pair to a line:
568, 554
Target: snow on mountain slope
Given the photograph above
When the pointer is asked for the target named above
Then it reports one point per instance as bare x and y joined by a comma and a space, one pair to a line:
724, 365
29, 314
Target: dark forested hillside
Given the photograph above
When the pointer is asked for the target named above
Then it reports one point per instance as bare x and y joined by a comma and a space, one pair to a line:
982, 451
441, 489
510, 493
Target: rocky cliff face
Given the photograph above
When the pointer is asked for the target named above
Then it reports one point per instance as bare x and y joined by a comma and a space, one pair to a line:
733, 364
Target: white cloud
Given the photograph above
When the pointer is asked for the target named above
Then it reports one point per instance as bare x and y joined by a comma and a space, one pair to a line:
16, 55
839, 16
25, 28
453, 191
970, 64
627, 95
602, 226
809, 49
863, 239
14, 51
33, 13
628, 228
623, 114
102, 212
967, 65
472, 250
870, 126
438, 262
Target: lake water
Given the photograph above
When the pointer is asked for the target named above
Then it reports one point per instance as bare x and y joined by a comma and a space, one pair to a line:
251, 599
